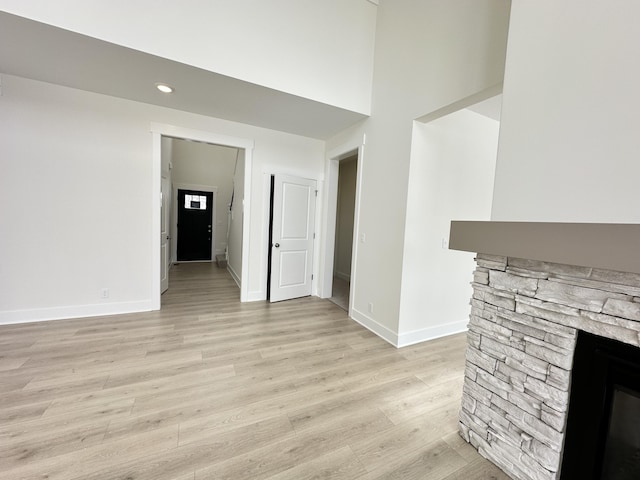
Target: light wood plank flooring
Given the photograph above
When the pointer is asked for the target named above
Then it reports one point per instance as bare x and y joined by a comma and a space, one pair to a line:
209, 388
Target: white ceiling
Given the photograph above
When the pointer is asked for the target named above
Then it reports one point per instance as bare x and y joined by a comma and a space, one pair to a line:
42, 52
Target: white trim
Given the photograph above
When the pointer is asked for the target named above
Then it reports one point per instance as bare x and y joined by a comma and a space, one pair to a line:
174, 213
431, 333
74, 311
193, 186
158, 130
256, 296
201, 136
246, 223
329, 229
408, 338
356, 224
329, 219
375, 327
156, 208
315, 282
234, 275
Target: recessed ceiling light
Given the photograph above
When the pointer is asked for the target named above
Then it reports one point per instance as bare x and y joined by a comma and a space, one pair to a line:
164, 88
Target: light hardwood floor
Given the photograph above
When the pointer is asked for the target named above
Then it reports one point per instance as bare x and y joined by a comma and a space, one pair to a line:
209, 388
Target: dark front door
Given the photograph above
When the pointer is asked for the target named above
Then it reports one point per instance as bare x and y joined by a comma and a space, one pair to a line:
194, 225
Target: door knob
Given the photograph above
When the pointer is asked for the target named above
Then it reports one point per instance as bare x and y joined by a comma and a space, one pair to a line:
277, 245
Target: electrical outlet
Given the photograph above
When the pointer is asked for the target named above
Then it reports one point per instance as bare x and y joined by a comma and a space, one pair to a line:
370, 307
104, 293
445, 243
363, 238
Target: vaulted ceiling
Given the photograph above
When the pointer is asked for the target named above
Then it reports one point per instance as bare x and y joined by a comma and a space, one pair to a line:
42, 52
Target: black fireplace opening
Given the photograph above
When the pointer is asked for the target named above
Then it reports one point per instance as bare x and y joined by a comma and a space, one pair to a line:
602, 439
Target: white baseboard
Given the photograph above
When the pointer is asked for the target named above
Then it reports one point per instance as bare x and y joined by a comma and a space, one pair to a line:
400, 340
256, 296
370, 324
431, 333
73, 311
234, 275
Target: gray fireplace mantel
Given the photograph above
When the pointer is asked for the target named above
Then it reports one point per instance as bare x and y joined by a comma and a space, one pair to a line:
610, 246
536, 286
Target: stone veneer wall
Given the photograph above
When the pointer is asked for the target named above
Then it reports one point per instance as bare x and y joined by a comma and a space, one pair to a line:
522, 333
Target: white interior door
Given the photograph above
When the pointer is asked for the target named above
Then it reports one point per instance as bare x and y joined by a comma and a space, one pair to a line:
165, 210
294, 205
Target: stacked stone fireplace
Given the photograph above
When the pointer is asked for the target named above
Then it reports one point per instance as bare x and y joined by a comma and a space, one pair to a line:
525, 317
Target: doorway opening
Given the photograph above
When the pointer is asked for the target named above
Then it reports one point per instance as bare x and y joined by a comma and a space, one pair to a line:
341, 227
207, 202
345, 218
451, 173
204, 178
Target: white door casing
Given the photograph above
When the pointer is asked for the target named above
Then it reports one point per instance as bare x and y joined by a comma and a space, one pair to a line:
165, 251
294, 204
247, 144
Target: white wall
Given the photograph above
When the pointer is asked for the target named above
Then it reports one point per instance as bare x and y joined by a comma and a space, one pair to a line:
428, 54
345, 217
235, 224
569, 143
76, 198
450, 178
322, 50
196, 163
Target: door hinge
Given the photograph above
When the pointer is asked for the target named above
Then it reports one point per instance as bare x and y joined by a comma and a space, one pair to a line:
312, 276
316, 193
314, 235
